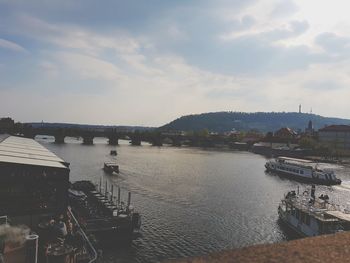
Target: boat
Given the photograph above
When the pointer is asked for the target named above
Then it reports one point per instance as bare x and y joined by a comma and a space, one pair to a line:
113, 152
101, 214
308, 216
301, 169
110, 167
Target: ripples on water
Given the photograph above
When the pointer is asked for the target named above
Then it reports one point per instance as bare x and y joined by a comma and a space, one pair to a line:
192, 201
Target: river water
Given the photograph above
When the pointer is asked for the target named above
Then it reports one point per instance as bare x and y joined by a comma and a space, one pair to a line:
193, 201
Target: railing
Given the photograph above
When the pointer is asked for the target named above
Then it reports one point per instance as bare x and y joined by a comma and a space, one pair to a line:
3, 220
90, 247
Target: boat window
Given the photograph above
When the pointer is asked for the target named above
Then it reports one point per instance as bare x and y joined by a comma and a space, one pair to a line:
302, 217
301, 172
307, 220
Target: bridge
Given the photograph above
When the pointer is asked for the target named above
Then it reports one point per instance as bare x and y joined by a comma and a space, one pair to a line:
156, 138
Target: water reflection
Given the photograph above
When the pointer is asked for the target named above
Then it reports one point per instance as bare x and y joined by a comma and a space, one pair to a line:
192, 201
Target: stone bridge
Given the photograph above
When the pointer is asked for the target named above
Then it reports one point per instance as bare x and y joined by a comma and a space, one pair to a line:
155, 138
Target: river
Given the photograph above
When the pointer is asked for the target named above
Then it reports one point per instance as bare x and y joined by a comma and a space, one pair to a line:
193, 201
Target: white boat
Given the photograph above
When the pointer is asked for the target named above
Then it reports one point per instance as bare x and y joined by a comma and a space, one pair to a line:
310, 216
303, 170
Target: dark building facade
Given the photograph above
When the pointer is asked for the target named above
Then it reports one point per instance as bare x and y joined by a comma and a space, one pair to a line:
33, 181
335, 136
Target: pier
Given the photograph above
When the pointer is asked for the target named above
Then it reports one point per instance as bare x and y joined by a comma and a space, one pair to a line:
102, 211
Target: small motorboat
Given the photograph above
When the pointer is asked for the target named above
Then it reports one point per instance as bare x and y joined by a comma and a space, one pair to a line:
111, 168
113, 152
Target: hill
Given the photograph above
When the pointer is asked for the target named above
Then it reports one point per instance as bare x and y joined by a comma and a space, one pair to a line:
242, 121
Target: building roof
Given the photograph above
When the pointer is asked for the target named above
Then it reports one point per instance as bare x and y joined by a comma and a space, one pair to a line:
286, 131
20, 150
336, 128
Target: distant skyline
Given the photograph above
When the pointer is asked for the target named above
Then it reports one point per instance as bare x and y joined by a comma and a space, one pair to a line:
150, 62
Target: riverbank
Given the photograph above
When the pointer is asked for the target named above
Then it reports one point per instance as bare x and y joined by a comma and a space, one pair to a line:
328, 248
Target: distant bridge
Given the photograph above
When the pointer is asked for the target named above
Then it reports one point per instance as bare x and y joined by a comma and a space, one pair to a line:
114, 135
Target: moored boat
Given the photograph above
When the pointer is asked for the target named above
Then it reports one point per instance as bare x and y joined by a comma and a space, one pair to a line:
102, 214
310, 216
303, 170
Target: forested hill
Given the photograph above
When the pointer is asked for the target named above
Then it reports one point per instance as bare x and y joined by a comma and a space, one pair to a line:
241, 121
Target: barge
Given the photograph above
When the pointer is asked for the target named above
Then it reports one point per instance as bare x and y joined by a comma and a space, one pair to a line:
300, 169
101, 214
307, 215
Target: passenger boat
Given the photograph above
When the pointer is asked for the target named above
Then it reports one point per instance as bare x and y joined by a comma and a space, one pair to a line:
302, 169
310, 216
111, 167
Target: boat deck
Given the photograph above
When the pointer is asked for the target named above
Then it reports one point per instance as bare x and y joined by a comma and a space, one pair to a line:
319, 209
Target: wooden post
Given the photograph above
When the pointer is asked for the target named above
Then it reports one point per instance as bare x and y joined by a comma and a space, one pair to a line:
111, 192
106, 189
118, 195
129, 199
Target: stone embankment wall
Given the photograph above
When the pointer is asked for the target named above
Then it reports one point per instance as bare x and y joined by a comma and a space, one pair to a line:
328, 248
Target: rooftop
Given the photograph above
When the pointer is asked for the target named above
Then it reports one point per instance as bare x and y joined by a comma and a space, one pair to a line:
336, 128
20, 150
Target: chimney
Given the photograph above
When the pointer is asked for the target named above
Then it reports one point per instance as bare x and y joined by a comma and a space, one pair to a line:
31, 246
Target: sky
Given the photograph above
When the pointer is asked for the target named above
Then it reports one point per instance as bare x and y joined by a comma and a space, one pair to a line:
149, 62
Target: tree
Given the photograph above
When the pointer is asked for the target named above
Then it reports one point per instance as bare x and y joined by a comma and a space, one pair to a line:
308, 143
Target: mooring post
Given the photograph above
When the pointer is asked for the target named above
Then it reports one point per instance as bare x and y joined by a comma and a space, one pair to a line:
129, 199
118, 195
106, 190
111, 192
100, 183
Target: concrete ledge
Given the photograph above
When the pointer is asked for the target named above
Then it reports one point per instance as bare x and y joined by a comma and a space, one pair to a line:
327, 248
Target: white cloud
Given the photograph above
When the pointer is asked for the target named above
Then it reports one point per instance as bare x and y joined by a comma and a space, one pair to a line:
11, 45
89, 67
268, 62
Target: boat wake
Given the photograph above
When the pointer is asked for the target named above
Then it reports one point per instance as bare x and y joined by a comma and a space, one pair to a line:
345, 185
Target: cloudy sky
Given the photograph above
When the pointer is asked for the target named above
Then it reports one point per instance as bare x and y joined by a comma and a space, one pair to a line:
149, 62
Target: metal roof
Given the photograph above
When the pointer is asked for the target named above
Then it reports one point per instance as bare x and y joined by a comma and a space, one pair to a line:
335, 128
292, 159
20, 150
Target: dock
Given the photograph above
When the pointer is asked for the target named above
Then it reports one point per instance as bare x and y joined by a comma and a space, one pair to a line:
101, 213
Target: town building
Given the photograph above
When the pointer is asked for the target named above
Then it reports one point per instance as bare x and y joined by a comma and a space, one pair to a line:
335, 136
6, 125
285, 133
34, 181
